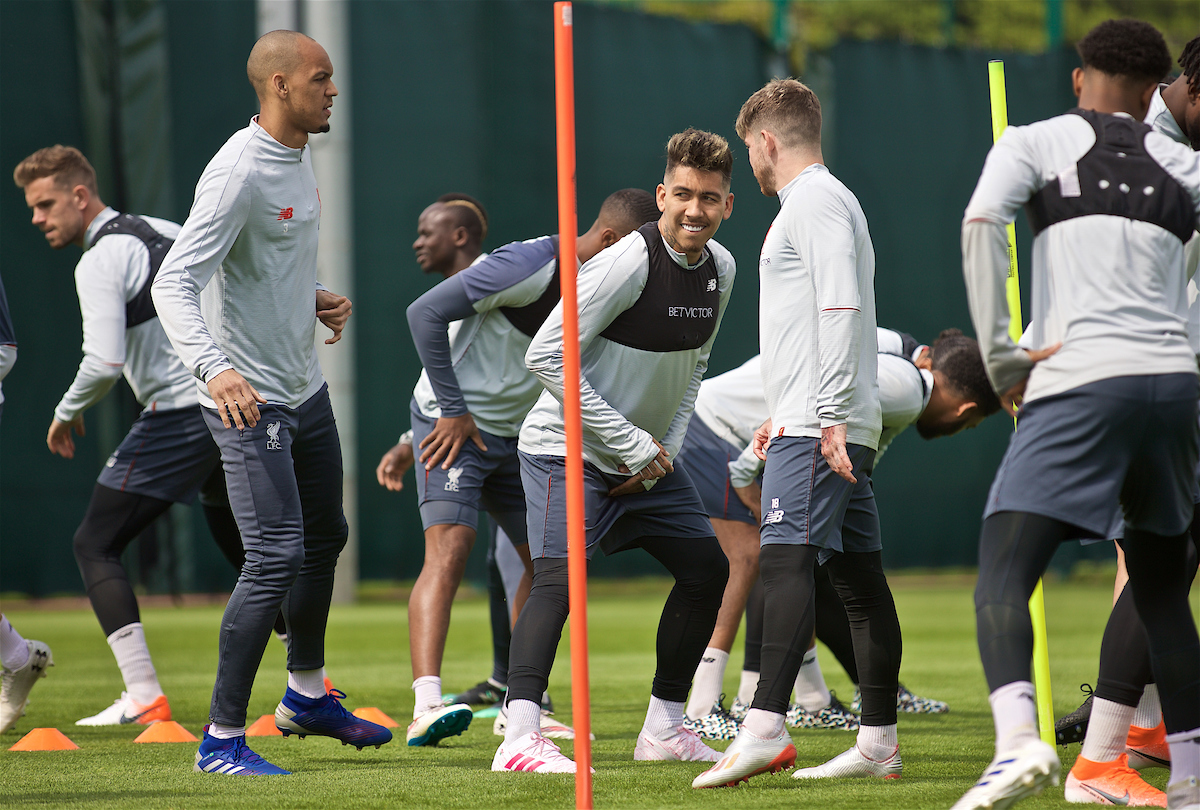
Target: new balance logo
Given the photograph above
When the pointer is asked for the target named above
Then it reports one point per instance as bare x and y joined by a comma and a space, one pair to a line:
706, 659
273, 442
284, 213
112, 461
773, 517
712, 285
453, 474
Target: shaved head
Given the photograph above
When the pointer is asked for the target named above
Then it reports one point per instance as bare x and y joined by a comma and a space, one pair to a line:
275, 52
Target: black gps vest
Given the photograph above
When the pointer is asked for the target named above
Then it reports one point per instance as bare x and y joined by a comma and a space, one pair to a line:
1116, 177
677, 309
141, 307
529, 319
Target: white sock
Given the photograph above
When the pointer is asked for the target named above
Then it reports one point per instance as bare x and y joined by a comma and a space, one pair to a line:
1107, 729
133, 657
748, 686
811, 692
706, 686
225, 732
663, 717
428, 689
14, 651
1149, 710
1015, 714
524, 717
1185, 754
762, 723
877, 742
308, 682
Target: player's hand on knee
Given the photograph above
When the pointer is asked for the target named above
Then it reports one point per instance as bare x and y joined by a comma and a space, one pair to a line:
58, 438
751, 497
394, 464
334, 311
447, 438
762, 440
237, 401
833, 448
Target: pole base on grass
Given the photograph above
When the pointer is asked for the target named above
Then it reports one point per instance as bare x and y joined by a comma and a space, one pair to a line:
264, 727
165, 731
373, 715
44, 739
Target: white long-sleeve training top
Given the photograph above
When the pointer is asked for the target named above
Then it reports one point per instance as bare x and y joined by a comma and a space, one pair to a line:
817, 312
629, 396
1159, 117
1110, 288
237, 289
110, 273
733, 404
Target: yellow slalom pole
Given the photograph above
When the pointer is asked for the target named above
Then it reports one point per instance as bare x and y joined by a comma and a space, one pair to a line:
1012, 288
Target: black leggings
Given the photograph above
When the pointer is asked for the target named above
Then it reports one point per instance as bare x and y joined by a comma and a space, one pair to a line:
1125, 651
688, 617
788, 575
833, 626
112, 521
1014, 550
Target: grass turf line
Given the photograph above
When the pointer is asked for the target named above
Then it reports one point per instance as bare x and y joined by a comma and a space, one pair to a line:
368, 659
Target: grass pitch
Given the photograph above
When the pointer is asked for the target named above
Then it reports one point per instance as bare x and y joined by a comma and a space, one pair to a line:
368, 659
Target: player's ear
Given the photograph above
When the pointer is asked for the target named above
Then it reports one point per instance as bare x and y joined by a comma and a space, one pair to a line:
965, 409
1077, 81
728, 206
608, 237
461, 236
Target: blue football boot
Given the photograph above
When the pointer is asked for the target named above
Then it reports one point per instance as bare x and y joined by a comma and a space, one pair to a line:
326, 717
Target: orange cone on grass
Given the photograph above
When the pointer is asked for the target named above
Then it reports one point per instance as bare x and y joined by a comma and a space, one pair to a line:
264, 727
44, 739
165, 731
373, 715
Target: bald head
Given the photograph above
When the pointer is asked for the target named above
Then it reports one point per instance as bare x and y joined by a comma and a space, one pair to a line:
276, 52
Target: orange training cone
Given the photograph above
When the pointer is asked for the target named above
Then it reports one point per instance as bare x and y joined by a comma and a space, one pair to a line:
165, 731
44, 739
373, 715
264, 727
328, 684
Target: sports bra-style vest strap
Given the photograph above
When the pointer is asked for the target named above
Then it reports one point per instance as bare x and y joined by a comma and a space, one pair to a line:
140, 308
529, 319
1117, 177
677, 309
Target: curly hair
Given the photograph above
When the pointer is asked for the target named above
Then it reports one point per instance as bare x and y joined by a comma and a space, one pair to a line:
958, 357
1189, 60
1130, 48
700, 150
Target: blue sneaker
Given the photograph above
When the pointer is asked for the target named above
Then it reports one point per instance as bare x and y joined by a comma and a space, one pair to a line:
326, 717
231, 758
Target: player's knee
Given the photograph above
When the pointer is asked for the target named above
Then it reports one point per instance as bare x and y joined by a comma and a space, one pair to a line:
88, 546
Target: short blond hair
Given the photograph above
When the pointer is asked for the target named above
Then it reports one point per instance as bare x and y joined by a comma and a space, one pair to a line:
65, 164
700, 150
788, 109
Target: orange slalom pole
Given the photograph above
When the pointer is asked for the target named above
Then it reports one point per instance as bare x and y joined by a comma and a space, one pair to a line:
564, 103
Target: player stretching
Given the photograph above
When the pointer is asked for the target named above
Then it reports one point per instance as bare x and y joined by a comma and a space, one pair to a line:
817, 325
472, 332
1125, 732
940, 389
649, 310
168, 455
1113, 414
235, 297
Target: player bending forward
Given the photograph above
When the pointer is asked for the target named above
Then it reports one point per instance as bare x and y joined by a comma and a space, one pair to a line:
649, 310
